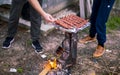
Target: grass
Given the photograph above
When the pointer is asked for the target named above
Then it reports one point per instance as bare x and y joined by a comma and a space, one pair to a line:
113, 23
20, 70
29, 42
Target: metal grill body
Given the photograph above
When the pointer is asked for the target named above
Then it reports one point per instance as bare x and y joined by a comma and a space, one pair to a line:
71, 25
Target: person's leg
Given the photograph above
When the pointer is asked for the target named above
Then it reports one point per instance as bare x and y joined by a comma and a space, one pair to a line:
35, 28
104, 10
13, 22
35, 23
103, 14
92, 32
95, 8
14, 16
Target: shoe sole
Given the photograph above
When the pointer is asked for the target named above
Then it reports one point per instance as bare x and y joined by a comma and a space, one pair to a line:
9, 45
88, 41
35, 49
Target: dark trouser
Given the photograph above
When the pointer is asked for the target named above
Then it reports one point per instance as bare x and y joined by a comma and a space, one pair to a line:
15, 13
99, 16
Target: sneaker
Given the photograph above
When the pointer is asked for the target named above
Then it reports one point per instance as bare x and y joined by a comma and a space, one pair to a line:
99, 51
87, 39
7, 42
36, 45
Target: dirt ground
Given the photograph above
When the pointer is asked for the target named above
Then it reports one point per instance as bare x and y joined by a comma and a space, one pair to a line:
22, 56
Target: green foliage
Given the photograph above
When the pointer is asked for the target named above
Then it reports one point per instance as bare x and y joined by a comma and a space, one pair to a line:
29, 42
113, 23
6, 65
20, 70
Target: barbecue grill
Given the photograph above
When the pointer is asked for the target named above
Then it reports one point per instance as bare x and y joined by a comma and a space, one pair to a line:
67, 51
71, 25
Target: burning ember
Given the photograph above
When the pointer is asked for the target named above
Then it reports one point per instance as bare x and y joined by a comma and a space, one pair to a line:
53, 63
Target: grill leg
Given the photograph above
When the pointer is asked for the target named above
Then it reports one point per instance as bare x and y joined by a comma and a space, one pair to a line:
73, 47
70, 44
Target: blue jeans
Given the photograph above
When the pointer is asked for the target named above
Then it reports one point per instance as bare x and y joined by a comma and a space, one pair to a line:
99, 17
15, 13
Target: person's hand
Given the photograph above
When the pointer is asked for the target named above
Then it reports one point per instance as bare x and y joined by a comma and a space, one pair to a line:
48, 17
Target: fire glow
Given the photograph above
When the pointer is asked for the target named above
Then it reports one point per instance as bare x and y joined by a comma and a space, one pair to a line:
53, 63
49, 66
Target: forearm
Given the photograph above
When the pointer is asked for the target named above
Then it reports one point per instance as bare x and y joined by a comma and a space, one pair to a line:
37, 7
